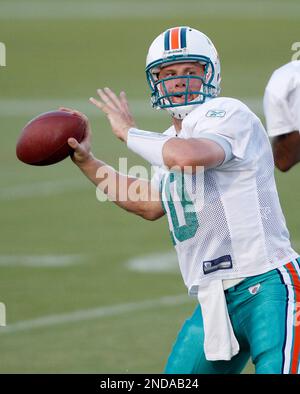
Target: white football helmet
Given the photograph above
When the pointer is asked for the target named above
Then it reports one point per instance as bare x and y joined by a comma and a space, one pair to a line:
179, 45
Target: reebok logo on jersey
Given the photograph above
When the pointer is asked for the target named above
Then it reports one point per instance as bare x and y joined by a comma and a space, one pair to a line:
221, 263
215, 113
254, 289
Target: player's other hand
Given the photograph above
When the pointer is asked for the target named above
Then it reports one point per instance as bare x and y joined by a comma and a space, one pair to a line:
117, 111
82, 150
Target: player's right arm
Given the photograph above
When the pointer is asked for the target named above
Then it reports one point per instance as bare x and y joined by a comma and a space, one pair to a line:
118, 187
281, 107
286, 150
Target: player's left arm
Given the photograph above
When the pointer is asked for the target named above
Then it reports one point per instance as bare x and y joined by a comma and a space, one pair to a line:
286, 150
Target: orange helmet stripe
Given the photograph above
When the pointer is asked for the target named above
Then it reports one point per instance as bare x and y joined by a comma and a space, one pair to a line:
175, 38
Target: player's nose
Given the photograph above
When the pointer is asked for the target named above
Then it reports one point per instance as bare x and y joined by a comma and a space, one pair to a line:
180, 82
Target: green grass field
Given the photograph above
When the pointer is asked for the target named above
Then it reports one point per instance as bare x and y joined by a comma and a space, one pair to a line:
72, 303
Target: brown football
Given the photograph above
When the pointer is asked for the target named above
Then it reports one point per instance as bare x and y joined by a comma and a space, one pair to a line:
44, 140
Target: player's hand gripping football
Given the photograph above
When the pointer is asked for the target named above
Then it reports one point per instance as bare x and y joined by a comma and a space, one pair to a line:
82, 150
117, 111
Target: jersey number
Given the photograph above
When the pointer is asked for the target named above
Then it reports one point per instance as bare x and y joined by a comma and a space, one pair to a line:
188, 230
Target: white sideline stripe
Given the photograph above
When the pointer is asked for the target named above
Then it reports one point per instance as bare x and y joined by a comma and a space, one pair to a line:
27, 106
47, 188
40, 261
102, 10
155, 263
2, 314
32, 107
95, 313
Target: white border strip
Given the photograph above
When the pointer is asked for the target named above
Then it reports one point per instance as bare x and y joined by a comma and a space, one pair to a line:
103, 10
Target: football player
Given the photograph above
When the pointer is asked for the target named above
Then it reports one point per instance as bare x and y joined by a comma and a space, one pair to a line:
230, 236
282, 113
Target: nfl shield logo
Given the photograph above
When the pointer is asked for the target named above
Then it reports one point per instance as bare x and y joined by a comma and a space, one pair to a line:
254, 289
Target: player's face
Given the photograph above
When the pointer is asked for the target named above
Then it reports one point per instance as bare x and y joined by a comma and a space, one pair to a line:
179, 85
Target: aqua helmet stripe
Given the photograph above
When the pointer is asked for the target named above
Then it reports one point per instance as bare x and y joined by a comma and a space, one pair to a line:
167, 40
183, 37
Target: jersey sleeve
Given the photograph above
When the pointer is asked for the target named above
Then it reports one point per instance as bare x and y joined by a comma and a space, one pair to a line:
230, 126
222, 142
277, 114
294, 102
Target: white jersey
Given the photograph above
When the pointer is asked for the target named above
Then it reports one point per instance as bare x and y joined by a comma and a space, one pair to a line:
282, 100
239, 230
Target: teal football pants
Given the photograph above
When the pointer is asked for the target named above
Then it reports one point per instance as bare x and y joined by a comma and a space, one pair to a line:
265, 316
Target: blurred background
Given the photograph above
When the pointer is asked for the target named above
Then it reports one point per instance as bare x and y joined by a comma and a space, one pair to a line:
88, 287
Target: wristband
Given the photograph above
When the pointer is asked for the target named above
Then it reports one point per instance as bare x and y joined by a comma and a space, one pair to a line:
147, 144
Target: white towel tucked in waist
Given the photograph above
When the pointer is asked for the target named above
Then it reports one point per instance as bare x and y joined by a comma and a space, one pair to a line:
220, 342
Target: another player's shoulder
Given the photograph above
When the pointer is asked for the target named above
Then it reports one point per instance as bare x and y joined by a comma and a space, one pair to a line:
284, 75
288, 69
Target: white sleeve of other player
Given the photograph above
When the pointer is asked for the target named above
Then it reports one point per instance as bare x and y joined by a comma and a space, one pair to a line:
277, 115
294, 102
